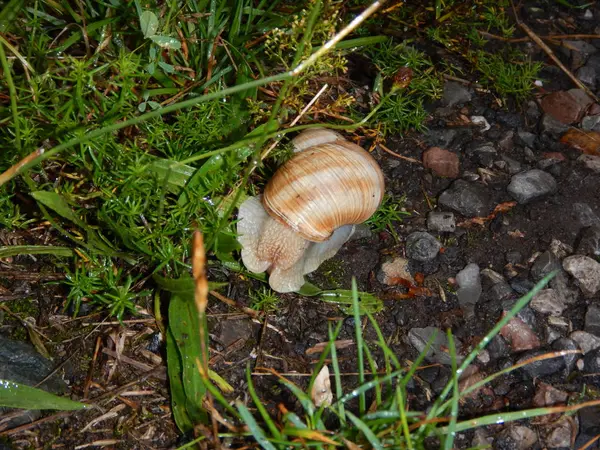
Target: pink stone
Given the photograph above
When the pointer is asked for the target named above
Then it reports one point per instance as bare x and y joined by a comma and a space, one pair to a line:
566, 106
442, 162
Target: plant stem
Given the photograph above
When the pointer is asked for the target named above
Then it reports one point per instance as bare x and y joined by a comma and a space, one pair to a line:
13, 96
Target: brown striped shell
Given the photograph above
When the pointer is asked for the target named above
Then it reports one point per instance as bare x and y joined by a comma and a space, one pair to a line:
324, 187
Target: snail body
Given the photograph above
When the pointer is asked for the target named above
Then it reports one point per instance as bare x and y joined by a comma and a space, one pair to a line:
309, 208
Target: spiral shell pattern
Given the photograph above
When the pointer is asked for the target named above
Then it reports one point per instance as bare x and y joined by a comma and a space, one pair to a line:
324, 187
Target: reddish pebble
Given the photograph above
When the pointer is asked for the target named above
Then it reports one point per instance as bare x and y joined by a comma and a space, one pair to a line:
555, 155
566, 107
442, 162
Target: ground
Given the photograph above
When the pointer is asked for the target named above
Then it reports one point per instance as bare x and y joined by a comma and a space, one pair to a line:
514, 235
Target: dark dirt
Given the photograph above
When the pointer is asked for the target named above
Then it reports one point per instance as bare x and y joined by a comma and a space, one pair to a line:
506, 243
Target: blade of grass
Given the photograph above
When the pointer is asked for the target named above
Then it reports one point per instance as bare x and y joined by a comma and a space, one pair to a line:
449, 441
257, 431
261, 408
15, 395
15, 250
366, 431
333, 334
359, 345
13, 96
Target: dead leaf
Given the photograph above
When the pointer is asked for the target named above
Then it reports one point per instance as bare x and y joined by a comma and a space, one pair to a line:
500, 208
587, 142
321, 390
321, 346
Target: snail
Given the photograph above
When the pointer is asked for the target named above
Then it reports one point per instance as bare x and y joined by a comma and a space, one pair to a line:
309, 208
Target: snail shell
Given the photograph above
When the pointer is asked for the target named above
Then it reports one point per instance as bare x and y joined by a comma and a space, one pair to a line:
325, 187
309, 208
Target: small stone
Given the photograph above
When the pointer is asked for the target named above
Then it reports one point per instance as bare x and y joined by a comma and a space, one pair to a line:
586, 341
547, 301
516, 437
548, 395
501, 291
552, 126
469, 291
506, 144
520, 335
533, 184
586, 271
485, 154
438, 352
455, 93
569, 359
592, 319
591, 362
560, 249
513, 165
591, 123
532, 111
585, 215
559, 433
482, 122
441, 222
493, 276
589, 241
422, 246
591, 162
587, 75
465, 198
542, 367
521, 285
588, 15
527, 138
564, 106
394, 270
442, 162
441, 138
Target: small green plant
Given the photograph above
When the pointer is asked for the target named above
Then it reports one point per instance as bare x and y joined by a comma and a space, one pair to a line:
390, 212
513, 77
264, 299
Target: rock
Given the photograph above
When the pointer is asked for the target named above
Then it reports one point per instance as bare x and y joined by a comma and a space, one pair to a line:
589, 426
455, 93
442, 162
586, 341
519, 335
469, 290
501, 291
533, 184
482, 122
513, 165
236, 331
588, 76
527, 138
591, 123
521, 285
498, 348
591, 362
485, 154
581, 47
548, 395
532, 111
547, 301
565, 106
571, 358
589, 241
441, 222
560, 249
552, 126
541, 367
422, 246
543, 265
585, 215
394, 270
592, 319
465, 198
442, 138
21, 363
511, 120
586, 271
558, 434
515, 437
438, 352
507, 142
591, 162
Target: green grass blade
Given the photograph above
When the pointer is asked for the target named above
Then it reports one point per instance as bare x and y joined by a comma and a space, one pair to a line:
183, 286
78, 35
261, 408
13, 95
366, 386
59, 205
178, 398
257, 431
359, 345
8, 14
15, 395
449, 441
333, 334
184, 325
366, 431
15, 250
